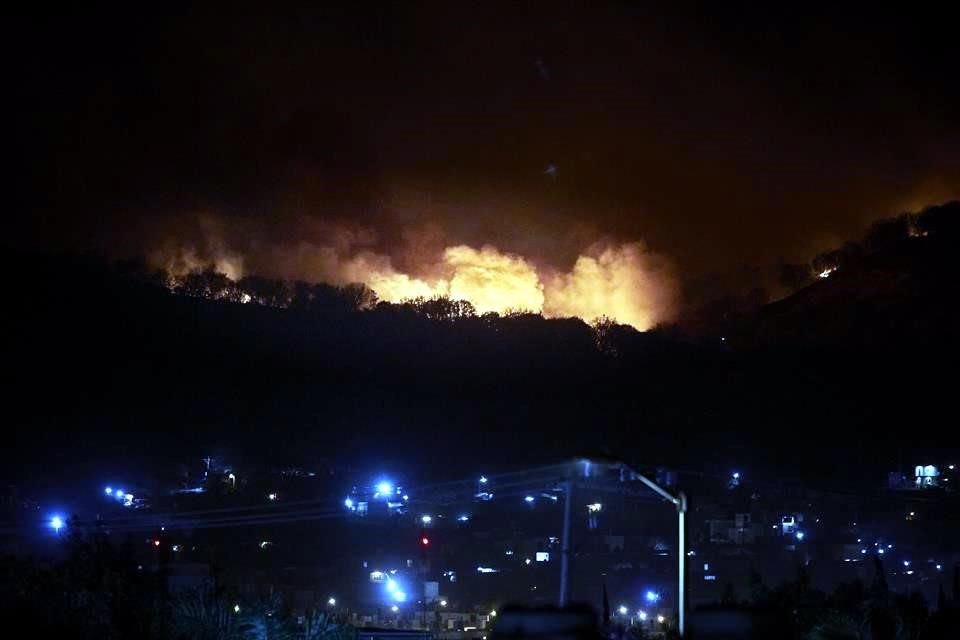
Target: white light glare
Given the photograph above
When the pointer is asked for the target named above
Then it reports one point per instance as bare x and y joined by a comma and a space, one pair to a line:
593, 508
464, 518
483, 479
622, 609
384, 488
348, 503
236, 608
394, 608
652, 596
108, 491
906, 563
528, 499
801, 535
426, 519
642, 615
660, 619
56, 523
736, 475
443, 603
332, 601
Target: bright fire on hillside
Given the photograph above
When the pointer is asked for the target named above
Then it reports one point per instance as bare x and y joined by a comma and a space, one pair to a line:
623, 282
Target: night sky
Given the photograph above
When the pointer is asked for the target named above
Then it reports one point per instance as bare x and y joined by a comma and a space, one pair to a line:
720, 138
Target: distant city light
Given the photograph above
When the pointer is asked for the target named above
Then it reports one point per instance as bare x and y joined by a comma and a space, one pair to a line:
56, 523
108, 491
889, 546
493, 613
119, 493
425, 541
528, 499
622, 609
487, 570
527, 561
939, 567
236, 608
642, 615
880, 551
384, 488
736, 475
863, 550
348, 503
331, 601
405, 497
271, 497
652, 596
425, 519
156, 543
391, 584
175, 547
128, 500
464, 518
593, 508
906, 563
443, 603
951, 467
400, 596
483, 479
394, 608
660, 619
801, 535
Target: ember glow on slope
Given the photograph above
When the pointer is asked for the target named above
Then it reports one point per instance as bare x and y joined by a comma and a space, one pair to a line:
624, 282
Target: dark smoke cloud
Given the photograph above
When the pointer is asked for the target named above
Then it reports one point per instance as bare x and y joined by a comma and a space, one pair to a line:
725, 140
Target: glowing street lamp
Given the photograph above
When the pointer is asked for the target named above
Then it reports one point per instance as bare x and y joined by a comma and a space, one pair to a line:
642, 615
622, 609
443, 603
660, 619
56, 523
394, 608
332, 601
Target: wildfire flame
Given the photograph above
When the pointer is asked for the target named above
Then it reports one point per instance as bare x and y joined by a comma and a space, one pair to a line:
623, 282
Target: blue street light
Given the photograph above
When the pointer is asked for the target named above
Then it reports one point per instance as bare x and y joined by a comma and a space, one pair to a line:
108, 491
384, 488
652, 596
56, 523
800, 536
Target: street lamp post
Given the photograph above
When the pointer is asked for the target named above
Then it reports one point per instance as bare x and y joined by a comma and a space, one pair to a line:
679, 501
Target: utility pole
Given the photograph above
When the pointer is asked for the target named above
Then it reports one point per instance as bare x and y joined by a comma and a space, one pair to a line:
565, 548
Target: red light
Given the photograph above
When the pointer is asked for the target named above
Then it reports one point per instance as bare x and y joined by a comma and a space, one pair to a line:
424, 540
156, 543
